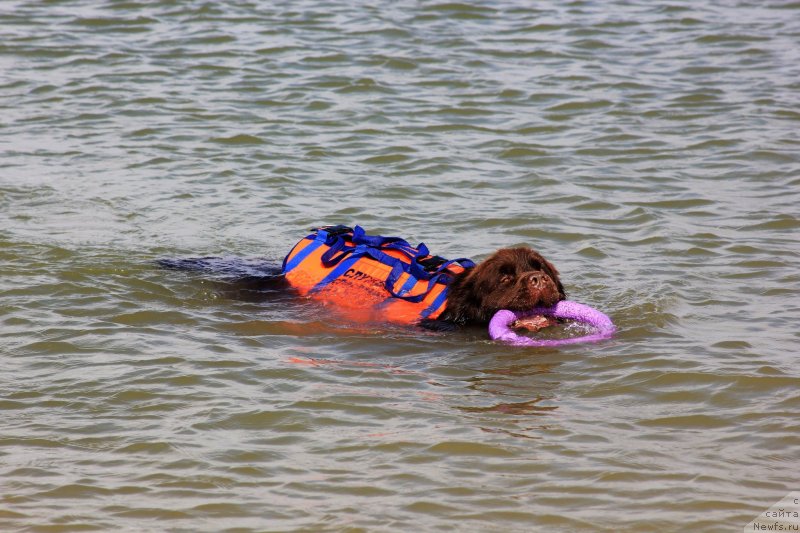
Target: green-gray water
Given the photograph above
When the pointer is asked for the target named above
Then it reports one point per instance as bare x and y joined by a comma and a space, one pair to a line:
649, 149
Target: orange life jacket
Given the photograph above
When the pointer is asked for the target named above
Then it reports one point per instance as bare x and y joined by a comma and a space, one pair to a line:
384, 277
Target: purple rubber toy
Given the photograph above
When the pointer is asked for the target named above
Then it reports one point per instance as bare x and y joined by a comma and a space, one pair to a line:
500, 330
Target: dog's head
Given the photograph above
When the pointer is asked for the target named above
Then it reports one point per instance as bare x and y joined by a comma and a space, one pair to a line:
512, 278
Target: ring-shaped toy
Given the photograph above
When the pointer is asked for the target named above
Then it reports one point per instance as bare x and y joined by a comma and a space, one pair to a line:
500, 325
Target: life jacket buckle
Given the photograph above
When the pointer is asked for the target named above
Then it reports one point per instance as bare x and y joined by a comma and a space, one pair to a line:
335, 231
432, 263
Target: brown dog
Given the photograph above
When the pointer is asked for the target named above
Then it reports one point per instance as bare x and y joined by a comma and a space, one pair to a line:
517, 279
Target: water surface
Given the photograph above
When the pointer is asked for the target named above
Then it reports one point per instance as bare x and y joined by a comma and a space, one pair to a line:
649, 149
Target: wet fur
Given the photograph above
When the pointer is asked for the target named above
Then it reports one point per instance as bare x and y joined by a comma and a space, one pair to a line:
512, 278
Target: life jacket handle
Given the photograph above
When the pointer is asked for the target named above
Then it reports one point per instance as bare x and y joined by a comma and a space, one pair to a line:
341, 236
343, 241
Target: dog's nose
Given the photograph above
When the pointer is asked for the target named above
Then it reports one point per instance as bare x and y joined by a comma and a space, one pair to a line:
535, 279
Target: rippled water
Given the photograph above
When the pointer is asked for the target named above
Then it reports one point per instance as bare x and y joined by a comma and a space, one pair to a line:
649, 149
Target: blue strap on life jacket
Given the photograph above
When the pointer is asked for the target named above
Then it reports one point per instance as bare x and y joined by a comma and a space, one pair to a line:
437, 303
344, 242
341, 268
341, 244
320, 237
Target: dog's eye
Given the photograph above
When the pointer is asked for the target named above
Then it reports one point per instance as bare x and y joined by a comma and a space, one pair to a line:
505, 278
